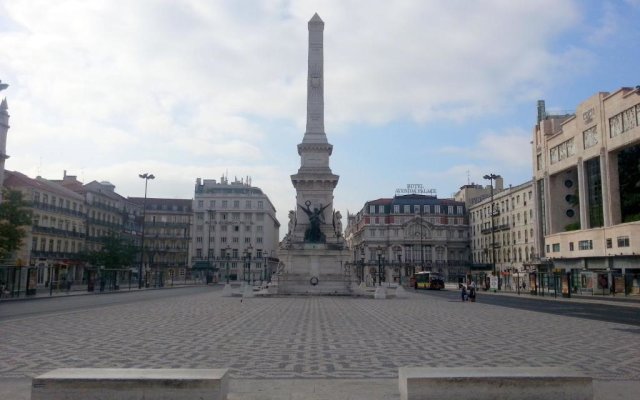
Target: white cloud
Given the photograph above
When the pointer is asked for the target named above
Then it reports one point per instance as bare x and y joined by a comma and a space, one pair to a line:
509, 149
181, 89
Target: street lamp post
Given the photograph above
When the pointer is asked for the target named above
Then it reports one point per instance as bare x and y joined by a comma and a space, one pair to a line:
491, 178
247, 254
379, 251
146, 176
228, 257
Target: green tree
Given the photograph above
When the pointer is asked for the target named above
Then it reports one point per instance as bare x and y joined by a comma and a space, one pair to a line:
116, 253
15, 216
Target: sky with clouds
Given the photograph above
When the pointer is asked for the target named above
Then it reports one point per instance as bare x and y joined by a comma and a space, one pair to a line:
431, 92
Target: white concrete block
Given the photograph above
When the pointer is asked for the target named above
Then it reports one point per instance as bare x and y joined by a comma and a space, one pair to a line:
380, 293
400, 293
227, 291
130, 384
500, 383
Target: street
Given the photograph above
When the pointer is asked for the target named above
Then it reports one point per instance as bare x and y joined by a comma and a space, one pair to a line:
596, 311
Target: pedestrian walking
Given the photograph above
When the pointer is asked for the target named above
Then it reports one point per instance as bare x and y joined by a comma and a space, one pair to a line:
463, 292
472, 292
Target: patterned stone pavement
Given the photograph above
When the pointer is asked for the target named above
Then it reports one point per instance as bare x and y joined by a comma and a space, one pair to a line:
323, 337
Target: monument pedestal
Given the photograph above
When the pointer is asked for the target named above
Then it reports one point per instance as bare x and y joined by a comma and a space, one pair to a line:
314, 269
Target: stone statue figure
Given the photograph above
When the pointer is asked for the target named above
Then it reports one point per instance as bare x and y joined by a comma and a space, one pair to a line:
337, 223
313, 234
292, 221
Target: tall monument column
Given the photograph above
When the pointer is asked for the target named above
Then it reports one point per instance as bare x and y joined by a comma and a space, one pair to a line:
4, 128
314, 182
313, 254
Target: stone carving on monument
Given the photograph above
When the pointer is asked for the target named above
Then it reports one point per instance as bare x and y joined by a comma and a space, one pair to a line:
313, 253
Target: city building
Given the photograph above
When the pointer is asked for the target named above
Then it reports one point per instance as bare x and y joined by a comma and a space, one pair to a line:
51, 252
396, 237
235, 231
107, 214
105, 209
586, 185
167, 239
502, 236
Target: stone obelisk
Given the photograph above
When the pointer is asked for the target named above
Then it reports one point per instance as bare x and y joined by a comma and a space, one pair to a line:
314, 182
314, 253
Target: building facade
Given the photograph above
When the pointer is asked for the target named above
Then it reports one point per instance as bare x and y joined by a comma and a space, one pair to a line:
586, 185
51, 254
235, 231
167, 240
396, 237
502, 236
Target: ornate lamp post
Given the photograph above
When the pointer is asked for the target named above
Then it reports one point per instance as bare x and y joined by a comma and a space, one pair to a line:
146, 176
491, 178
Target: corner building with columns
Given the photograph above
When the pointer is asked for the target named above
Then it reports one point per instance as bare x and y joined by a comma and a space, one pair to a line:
587, 193
409, 233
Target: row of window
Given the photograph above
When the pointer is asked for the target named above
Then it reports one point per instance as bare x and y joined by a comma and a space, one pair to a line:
425, 234
234, 216
502, 206
231, 253
415, 209
503, 221
168, 219
224, 204
623, 241
506, 238
624, 121
61, 203
401, 220
230, 228
53, 245
46, 222
519, 255
563, 150
234, 239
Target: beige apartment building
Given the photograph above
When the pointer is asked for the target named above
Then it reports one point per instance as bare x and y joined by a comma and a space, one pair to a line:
51, 252
510, 231
586, 189
235, 231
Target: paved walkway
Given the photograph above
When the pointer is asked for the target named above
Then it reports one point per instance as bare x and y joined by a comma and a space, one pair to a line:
331, 341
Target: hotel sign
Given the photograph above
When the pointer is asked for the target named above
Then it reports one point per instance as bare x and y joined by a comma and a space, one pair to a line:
416, 188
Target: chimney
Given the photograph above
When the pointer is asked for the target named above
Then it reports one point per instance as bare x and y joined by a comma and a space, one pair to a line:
499, 183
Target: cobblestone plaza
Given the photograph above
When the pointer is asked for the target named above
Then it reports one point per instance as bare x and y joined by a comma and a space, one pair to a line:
314, 337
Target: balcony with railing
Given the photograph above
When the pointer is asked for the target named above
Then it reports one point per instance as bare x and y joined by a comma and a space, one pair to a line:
43, 230
61, 210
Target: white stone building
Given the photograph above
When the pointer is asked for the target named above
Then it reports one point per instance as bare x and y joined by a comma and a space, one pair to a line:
586, 189
409, 233
235, 231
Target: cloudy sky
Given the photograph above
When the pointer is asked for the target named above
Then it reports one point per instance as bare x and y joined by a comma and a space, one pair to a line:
431, 92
